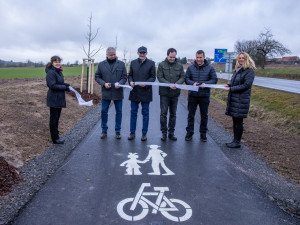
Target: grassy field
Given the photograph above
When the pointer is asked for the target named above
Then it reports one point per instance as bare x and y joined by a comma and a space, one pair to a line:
278, 108
283, 73
10, 73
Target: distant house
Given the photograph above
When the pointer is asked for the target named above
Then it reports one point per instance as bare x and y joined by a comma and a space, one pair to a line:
190, 61
284, 60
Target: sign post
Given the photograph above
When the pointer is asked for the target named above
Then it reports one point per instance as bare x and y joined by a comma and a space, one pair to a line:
229, 56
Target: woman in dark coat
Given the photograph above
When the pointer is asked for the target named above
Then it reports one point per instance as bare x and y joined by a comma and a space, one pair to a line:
238, 101
56, 99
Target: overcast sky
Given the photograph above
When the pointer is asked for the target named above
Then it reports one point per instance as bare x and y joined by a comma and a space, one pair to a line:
38, 29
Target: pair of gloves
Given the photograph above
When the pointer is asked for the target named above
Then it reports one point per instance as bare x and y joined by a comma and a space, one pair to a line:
67, 86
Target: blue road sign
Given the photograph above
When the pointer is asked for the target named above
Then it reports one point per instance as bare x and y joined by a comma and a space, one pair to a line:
219, 55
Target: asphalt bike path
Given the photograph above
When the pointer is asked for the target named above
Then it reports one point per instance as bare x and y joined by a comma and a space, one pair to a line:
292, 86
152, 182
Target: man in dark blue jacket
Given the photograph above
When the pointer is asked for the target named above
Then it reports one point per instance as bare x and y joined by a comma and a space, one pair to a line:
141, 69
109, 74
199, 73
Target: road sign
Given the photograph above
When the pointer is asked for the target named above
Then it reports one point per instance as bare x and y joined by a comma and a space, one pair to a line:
229, 55
219, 55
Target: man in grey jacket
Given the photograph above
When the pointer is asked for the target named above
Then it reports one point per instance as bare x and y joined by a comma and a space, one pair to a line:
110, 73
199, 73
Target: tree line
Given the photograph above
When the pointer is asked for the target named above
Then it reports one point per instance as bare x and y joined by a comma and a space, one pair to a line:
28, 63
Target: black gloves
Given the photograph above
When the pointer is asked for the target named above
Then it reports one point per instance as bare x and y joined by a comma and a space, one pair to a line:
67, 86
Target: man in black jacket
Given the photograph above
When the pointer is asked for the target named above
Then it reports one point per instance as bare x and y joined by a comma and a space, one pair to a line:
109, 74
141, 69
199, 73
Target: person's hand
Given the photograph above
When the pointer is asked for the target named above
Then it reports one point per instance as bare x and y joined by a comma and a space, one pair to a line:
227, 88
67, 88
67, 85
117, 85
195, 84
107, 85
173, 87
131, 84
203, 84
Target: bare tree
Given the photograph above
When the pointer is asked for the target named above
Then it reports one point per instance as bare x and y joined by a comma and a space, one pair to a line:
116, 42
265, 46
268, 47
90, 37
246, 46
125, 51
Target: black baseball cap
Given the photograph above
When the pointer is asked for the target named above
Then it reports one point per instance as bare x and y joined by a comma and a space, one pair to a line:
142, 49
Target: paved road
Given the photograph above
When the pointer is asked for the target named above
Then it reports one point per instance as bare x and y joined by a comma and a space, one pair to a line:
92, 188
292, 86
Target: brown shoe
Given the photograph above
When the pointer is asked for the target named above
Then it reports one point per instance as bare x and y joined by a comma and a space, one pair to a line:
188, 136
103, 135
118, 135
203, 137
144, 137
131, 136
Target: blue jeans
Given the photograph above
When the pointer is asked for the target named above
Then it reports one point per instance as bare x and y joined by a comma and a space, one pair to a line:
104, 114
133, 117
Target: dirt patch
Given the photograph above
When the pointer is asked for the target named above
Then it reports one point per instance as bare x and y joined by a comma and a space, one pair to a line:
24, 117
9, 176
279, 149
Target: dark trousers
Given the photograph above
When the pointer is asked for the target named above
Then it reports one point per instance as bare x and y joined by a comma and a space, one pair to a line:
133, 116
238, 127
193, 103
53, 123
104, 114
167, 103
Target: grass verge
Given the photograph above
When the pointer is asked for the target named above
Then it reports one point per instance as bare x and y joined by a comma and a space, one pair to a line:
282, 73
277, 108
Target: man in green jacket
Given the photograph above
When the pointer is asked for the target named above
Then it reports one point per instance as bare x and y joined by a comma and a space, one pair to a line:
169, 71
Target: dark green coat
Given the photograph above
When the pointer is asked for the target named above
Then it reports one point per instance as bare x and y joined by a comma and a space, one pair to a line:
170, 73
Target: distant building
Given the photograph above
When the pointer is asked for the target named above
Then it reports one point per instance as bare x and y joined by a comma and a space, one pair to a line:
190, 61
284, 60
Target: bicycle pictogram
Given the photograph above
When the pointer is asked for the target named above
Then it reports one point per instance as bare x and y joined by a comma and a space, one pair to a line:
134, 209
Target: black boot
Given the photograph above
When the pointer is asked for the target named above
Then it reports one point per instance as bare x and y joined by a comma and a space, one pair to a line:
236, 143
172, 137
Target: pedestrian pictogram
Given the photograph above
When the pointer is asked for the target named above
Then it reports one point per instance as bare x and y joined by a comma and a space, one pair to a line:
155, 155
